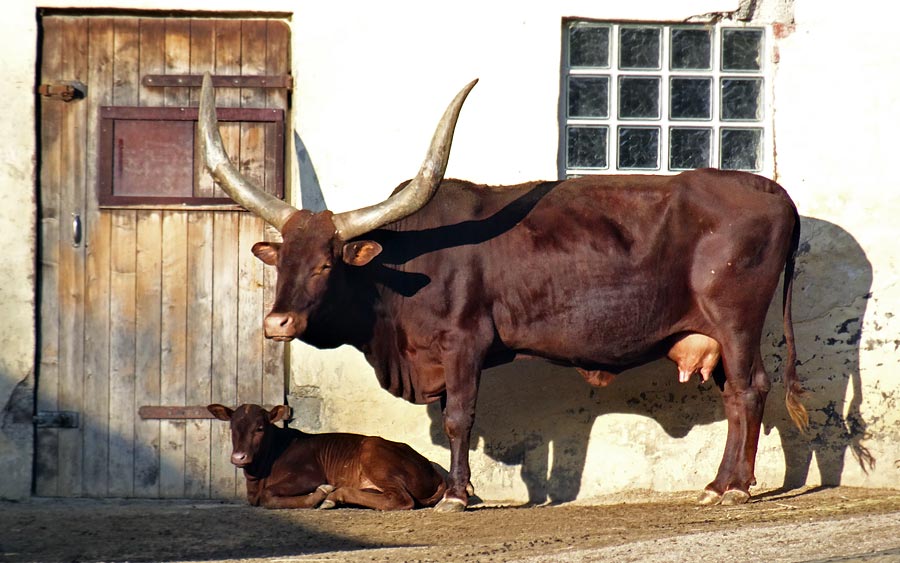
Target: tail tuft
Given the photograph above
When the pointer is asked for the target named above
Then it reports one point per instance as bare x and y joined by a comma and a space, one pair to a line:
795, 408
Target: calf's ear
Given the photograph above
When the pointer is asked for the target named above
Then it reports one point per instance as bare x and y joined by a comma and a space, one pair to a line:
267, 252
220, 411
361, 252
279, 412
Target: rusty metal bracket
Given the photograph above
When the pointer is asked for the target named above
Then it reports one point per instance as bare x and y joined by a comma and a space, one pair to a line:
174, 413
285, 81
56, 419
65, 90
188, 412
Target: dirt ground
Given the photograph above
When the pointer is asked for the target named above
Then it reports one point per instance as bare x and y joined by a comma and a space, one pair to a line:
826, 525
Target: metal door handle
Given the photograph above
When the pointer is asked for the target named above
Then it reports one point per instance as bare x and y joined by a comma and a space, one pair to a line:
76, 230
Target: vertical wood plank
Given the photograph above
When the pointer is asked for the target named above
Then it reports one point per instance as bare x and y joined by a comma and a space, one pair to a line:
154, 59
199, 350
95, 414
250, 306
225, 480
228, 61
147, 356
122, 353
47, 449
278, 49
203, 45
126, 63
173, 361
177, 58
71, 258
250, 281
125, 92
199, 287
228, 482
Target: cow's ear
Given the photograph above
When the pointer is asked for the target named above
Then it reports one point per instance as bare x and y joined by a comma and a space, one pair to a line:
278, 412
267, 252
220, 411
361, 252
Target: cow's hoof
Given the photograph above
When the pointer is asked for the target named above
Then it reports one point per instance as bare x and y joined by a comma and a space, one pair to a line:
449, 504
326, 488
709, 498
734, 496
327, 504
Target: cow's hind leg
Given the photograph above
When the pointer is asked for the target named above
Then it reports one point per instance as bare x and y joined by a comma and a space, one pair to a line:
388, 499
744, 391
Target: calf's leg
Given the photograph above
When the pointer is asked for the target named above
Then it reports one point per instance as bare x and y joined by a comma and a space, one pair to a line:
313, 499
389, 499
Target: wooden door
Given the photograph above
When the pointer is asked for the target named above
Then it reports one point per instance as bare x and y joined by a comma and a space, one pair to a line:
155, 304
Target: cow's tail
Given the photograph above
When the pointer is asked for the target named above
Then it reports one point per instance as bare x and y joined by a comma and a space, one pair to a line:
793, 388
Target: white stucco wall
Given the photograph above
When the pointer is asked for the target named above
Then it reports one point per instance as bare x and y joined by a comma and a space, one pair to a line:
371, 79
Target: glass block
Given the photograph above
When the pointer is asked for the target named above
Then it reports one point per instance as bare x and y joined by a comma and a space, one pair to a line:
586, 147
639, 97
690, 98
689, 147
638, 148
639, 47
588, 96
589, 46
740, 149
691, 49
742, 49
742, 99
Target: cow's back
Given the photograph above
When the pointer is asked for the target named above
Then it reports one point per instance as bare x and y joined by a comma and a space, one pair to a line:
592, 271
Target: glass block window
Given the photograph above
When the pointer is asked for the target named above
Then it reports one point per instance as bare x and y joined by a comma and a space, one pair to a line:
663, 98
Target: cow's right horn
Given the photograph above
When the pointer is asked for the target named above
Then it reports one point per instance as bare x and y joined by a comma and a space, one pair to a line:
419, 191
271, 209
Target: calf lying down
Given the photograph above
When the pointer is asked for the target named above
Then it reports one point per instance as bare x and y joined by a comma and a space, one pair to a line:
287, 468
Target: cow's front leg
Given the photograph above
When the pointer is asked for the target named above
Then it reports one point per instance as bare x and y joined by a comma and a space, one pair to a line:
459, 416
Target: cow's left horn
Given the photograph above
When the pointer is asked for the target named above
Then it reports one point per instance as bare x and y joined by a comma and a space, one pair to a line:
351, 224
271, 209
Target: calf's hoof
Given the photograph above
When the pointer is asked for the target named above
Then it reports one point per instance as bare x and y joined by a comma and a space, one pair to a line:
709, 498
734, 496
450, 504
327, 504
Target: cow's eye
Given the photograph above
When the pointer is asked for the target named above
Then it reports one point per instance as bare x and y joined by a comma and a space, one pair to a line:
260, 428
323, 269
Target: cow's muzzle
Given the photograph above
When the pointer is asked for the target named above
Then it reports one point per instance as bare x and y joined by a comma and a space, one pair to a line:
241, 459
283, 326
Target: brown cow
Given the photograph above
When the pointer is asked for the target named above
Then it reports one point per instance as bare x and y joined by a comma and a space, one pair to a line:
602, 273
287, 468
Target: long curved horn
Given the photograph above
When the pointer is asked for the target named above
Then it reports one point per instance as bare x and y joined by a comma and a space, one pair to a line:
271, 209
351, 224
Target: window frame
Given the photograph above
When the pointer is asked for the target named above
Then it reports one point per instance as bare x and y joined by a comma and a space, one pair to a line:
664, 123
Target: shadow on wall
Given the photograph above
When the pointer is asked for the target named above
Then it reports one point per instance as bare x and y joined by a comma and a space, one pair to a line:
528, 407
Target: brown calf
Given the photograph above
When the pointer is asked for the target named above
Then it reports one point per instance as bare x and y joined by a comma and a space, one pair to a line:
287, 468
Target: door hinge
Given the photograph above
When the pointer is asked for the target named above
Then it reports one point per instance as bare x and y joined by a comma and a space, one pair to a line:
56, 419
65, 90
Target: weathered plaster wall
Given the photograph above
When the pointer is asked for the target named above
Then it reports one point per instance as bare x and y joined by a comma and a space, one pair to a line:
19, 230
371, 80
837, 104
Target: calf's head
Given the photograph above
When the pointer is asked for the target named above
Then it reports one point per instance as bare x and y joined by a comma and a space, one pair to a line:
316, 245
251, 429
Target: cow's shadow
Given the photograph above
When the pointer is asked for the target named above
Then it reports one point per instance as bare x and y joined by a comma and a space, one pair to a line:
540, 416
